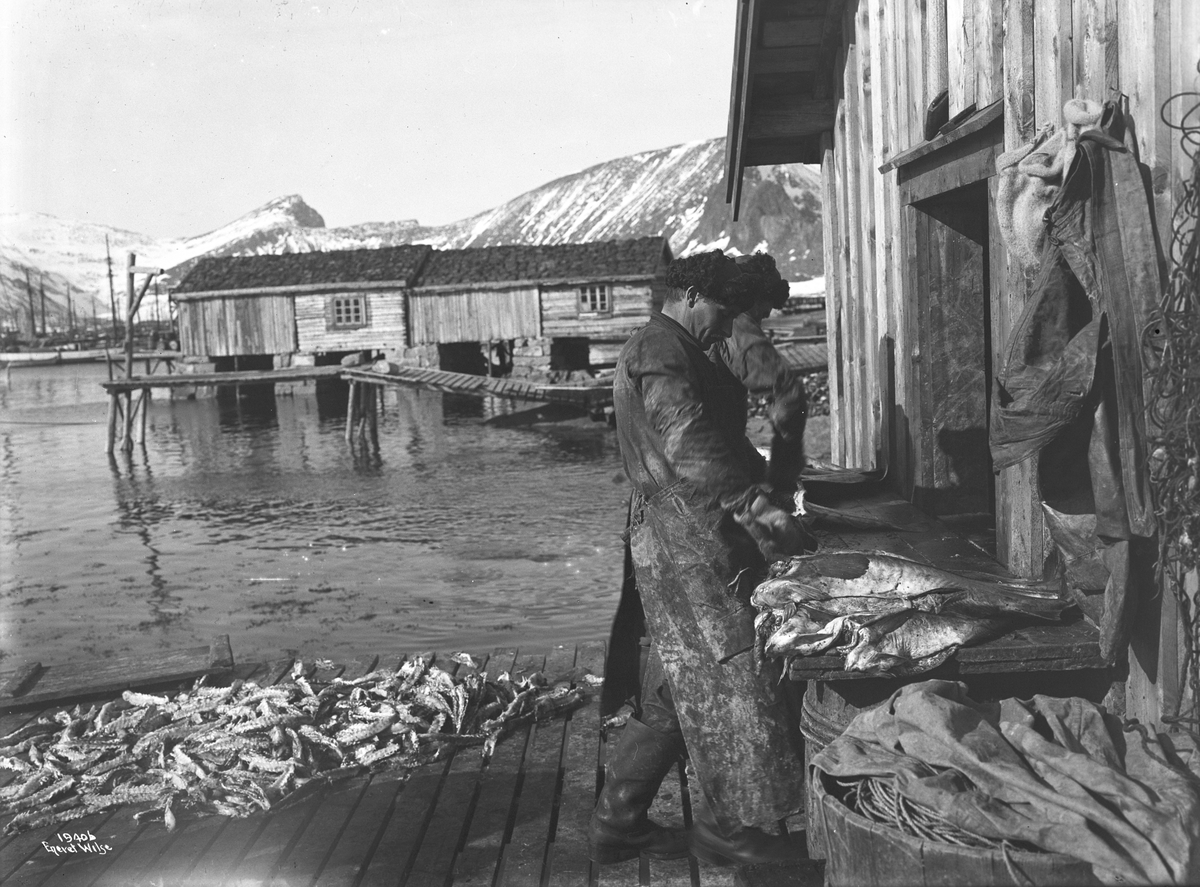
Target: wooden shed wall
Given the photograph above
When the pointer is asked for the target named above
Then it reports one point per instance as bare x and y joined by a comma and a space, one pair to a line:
631, 306
1032, 55
474, 315
385, 329
237, 326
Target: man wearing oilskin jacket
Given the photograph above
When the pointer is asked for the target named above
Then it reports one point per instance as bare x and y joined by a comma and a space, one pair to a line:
701, 533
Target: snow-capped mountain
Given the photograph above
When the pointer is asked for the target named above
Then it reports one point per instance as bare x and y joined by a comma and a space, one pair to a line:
677, 192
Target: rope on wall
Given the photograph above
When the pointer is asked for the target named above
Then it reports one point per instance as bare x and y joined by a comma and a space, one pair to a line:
1172, 341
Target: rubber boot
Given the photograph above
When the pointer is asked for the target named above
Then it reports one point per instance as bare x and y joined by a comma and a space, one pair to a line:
746, 846
619, 828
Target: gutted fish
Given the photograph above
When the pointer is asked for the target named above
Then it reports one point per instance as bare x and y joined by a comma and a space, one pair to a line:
910, 643
834, 574
805, 634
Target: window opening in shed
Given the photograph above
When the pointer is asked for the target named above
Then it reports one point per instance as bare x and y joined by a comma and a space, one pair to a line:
594, 299
349, 312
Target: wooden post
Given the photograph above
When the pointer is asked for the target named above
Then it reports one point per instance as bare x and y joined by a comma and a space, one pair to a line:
372, 416
143, 403
364, 409
110, 438
350, 404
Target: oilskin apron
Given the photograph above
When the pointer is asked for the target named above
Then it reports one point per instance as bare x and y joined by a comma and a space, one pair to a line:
695, 571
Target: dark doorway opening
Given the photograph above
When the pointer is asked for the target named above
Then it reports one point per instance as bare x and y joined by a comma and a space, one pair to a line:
462, 357
955, 367
570, 354
244, 362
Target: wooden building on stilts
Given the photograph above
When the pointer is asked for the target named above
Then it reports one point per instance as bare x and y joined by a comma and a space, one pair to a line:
929, 119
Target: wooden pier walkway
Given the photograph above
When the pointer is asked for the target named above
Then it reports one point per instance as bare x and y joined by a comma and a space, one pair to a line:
436, 380
519, 820
464, 383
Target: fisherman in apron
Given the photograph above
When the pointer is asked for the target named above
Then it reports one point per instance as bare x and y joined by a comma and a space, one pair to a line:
701, 533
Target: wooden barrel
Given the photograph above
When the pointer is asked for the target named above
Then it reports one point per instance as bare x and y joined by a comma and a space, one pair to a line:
829, 707
861, 853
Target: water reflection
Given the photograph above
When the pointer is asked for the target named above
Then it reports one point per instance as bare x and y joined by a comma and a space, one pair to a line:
251, 516
139, 511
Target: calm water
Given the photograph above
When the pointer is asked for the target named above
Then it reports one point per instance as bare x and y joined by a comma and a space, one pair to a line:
252, 517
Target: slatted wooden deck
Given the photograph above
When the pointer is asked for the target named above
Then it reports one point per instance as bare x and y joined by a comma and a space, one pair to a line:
464, 383
519, 820
587, 396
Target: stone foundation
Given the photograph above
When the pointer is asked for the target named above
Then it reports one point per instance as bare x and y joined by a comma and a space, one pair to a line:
531, 357
423, 356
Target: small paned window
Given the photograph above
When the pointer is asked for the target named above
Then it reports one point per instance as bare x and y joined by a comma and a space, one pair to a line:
594, 300
348, 312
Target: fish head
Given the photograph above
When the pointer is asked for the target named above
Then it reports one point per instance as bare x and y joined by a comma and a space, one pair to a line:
868, 658
804, 634
778, 593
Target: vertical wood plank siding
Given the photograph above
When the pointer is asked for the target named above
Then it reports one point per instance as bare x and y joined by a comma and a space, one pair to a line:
1033, 55
385, 328
474, 315
237, 326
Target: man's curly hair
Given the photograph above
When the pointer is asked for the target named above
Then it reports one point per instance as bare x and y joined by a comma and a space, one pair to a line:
715, 276
770, 286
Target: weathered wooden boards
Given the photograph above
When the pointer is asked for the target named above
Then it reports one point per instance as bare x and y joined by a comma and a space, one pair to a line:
240, 377
518, 819
38, 685
1031, 56
442, 380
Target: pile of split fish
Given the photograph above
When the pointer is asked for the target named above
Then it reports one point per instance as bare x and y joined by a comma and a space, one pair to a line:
888, 614
244, 748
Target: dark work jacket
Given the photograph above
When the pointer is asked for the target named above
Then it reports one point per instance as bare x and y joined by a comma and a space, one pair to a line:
677, 428
756, 367
1098, 285
676, 417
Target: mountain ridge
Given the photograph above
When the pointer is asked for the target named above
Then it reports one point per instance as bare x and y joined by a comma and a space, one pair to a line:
677, 192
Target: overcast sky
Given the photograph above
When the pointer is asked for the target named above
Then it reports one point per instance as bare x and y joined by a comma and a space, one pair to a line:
173, 117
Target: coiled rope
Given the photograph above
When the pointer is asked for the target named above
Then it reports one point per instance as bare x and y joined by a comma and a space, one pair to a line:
1172, 344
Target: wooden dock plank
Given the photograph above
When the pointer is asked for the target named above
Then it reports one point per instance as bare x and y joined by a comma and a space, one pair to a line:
526, 850
240, 377
282, 828
569, 863
307, 858
218, 857
479, 857
451, 816
62, 683
352, 847
407, 820
280, 831
40, 866
115, 828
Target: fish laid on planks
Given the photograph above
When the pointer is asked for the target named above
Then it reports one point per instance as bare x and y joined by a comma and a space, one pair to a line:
242, 748
897, 616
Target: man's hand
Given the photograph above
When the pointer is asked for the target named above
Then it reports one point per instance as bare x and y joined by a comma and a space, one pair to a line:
778, 534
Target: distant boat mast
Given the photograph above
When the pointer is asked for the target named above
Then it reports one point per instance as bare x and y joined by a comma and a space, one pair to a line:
112, 299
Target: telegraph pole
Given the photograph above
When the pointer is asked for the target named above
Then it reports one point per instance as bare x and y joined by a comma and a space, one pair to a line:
70, 314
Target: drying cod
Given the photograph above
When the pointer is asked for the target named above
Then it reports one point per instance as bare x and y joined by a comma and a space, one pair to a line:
880, 574
244, 748
893, 614
910, 643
